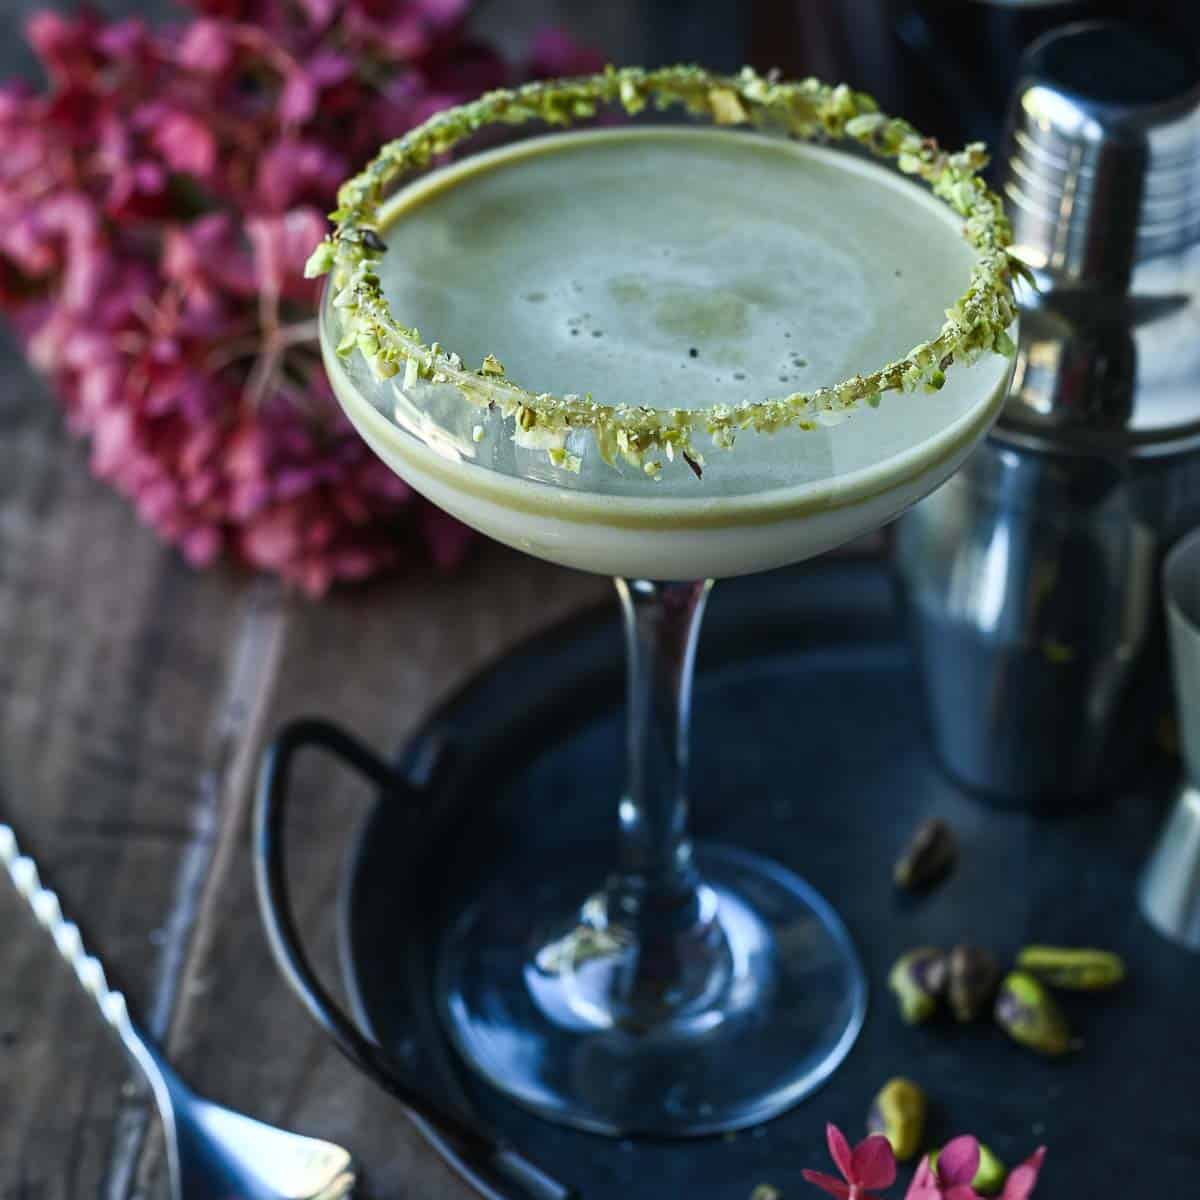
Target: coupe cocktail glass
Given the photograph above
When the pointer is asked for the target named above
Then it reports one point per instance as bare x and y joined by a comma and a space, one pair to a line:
668, 272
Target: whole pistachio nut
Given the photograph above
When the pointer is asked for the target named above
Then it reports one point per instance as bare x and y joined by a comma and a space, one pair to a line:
918, 979
928, 858
1029, 1015
1076, 969
764, 1191
972, 978
990, 1177
898, 1112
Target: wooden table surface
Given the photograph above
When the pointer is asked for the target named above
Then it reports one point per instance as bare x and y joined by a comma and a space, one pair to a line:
135, 697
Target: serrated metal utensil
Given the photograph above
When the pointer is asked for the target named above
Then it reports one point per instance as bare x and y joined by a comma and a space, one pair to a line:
214, 1153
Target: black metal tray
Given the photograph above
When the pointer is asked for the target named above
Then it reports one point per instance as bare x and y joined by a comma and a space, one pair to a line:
808, 746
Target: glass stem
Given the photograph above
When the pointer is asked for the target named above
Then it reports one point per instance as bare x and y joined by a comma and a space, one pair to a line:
656, 894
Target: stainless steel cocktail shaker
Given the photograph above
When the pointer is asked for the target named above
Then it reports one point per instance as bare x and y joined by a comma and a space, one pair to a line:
1031, 579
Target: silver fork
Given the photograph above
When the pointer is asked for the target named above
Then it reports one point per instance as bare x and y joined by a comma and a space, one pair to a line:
213, 1152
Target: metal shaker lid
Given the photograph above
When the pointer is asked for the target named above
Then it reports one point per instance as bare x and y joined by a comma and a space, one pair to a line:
1102, 184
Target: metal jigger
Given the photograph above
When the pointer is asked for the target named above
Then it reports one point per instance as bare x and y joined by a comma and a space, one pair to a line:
1170, 887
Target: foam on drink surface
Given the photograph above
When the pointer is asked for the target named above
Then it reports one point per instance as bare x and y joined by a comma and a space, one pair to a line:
675, 268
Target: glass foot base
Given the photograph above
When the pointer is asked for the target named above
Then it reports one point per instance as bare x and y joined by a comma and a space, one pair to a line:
527, 976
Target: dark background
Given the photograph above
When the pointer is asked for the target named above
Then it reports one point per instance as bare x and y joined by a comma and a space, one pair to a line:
948, 65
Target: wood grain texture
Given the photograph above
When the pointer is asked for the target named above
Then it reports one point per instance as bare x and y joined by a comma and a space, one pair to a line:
112, 655
377, 661
135, 696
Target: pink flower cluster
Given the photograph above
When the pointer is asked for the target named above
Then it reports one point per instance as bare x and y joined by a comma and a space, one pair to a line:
157, 203
872, 1164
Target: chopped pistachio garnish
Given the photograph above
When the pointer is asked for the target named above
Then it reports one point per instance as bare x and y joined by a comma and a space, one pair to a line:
727, 109
807, 109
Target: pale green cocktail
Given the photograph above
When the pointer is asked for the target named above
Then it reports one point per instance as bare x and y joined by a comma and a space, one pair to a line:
627, 278
599, 262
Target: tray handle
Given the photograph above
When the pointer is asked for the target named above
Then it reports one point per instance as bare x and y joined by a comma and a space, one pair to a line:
496, 1170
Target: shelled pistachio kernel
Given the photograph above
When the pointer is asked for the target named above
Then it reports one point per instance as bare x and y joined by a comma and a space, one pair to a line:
972, 978
928, 858
918, 979
898, 1112
990, 1176
1074, 969
1026, 1011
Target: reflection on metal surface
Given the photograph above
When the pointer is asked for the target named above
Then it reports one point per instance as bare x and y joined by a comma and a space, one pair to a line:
1102, 182
1029, 583
1170, 885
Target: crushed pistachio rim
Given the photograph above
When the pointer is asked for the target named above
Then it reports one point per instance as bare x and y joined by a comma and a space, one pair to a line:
640, 435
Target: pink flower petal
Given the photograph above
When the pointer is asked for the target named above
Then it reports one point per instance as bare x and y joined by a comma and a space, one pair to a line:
271, 539
320, 12
839, 1151
959, 1162
206, 47
185, 141
202, 547
443, 12
294, 171
315, 578
1036, 1159
298, 101
123, 40
874, 1163
281, 247
1023, 1179
327, 68
835, 1187
924, 1184
62, 43
924, 1176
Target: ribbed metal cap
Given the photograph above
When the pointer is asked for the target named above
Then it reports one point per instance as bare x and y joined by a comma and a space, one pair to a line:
1102, 184
1104, 152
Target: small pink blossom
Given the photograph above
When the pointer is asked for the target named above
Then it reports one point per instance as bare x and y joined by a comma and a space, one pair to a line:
66, 45
127, 42
210, 252
951, 1179
871, 1164
320, 12
184, 139
207, 47
294, 171
957, 1166
281, 247
302, 92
